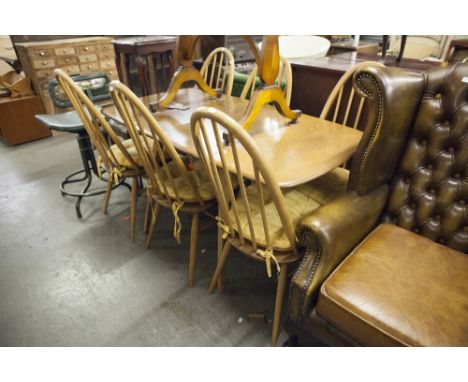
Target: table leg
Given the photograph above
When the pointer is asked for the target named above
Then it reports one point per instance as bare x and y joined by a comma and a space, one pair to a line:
126, 62
141, 65
118, 65
384, 47
402, 47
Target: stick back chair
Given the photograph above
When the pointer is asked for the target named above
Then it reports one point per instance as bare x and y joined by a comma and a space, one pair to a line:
119, 158
172, 182
343, 111
245, 219
284, 77
218, 70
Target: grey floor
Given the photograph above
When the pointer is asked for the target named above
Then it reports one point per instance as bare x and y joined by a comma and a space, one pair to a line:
70, 282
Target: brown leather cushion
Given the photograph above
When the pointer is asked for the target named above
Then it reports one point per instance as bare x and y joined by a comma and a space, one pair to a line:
399, 288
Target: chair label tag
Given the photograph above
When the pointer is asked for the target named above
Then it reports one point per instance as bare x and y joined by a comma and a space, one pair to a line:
465, 80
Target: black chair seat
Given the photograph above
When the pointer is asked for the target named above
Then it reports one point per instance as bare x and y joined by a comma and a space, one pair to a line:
68, 122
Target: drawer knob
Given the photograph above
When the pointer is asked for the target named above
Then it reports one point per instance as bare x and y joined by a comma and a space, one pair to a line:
68, 70
89, 66
44, 62
65, 51
67, 60
86, 48
42, 54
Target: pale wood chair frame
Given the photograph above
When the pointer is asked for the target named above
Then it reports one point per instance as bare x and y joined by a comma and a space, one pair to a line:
217, 169
96, 125
335, 97
222, 66
156, 151
284, 74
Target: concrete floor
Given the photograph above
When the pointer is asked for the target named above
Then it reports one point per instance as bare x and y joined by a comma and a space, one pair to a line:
70, 282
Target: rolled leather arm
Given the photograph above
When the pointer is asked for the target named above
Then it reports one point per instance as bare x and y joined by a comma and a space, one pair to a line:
329, 234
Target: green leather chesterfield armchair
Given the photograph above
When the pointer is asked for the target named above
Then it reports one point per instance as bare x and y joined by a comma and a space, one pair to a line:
386, 261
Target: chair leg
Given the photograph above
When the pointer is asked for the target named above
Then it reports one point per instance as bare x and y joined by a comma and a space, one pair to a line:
220, 250
193, 248
133, 207
279, 302
220, 266
154, 222
108, 194
147, 215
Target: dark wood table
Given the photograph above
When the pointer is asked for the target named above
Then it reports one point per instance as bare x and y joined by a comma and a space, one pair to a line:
315, 78
154, 59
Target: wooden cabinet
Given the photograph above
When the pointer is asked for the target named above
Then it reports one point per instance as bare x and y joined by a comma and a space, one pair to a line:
74, 56
17, 122
154, 59
315, 78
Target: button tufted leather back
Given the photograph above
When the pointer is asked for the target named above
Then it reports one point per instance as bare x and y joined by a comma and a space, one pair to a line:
429, 192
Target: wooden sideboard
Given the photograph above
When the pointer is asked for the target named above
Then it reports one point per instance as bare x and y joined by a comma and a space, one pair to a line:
315, 78
17, 122
74, 56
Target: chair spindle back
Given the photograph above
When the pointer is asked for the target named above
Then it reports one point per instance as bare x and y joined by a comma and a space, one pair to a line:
208, 125
218, 70
94, 123
342, 112
153, 146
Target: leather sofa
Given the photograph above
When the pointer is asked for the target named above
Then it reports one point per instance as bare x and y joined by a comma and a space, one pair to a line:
386, 261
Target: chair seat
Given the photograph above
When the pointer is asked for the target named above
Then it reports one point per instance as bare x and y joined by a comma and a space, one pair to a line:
201, 182
68, 122
132, 151
399, 288
300, 201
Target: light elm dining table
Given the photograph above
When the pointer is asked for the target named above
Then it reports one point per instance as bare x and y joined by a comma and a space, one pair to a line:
297, 152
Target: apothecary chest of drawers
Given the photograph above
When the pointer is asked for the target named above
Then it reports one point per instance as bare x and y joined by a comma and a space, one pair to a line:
74, 56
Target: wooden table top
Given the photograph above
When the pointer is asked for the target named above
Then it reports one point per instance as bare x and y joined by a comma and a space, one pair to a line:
297, 153
301, 152
176, 122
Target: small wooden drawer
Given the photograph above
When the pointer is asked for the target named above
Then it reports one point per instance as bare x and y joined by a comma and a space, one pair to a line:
92, 66
104, 47
38, 54
87, 58
113, 75
86, 48
67, 60
108, 65
71, 69
46, 73
108, 55
64, 51
42, 64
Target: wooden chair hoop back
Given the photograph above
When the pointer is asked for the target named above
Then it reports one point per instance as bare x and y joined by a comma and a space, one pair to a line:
284, 75
218, 70
93, 121
207, 124
335, 97
249, 86
156, 153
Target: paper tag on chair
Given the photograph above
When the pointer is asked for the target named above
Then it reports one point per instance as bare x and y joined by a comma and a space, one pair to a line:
465, 80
